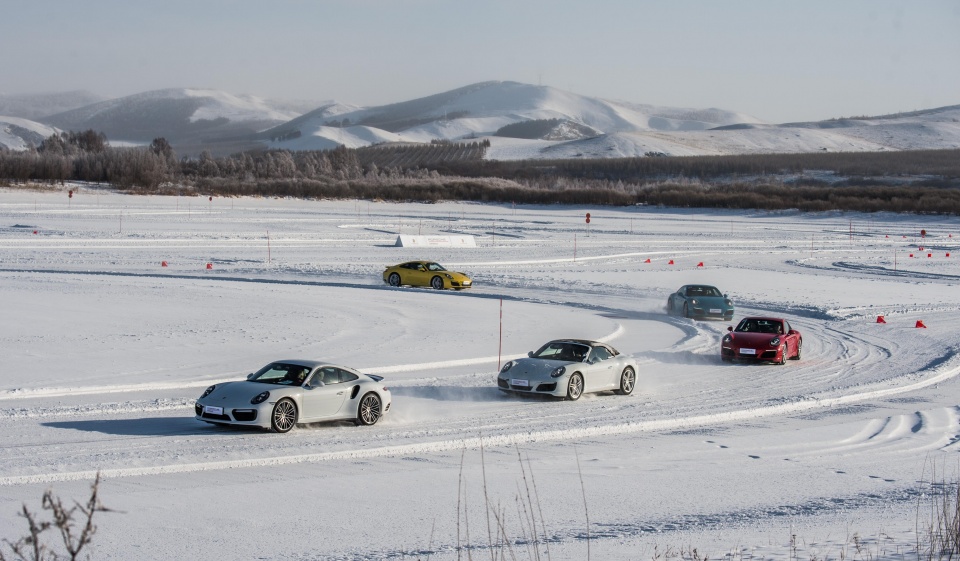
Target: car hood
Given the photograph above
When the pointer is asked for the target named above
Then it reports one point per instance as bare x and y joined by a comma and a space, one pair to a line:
535, 368
243, 392
752, 339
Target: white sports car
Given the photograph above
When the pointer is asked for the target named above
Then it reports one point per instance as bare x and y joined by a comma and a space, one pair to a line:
287, 392
569, 368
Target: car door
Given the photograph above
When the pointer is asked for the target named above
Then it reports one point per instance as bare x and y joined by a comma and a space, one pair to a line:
601, 373
324, 395
676, 299
419, 276
792, 339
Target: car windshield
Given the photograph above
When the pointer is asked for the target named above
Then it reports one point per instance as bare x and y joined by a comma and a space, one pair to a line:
281, 373
703, 291
434, 267
563, 350
760, 326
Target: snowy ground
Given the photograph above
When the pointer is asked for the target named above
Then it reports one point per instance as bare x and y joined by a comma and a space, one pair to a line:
104, 352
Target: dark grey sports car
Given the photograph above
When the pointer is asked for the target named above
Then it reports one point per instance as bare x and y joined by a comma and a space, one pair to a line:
700, 301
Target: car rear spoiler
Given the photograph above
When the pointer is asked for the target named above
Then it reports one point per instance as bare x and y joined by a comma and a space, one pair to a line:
375, 377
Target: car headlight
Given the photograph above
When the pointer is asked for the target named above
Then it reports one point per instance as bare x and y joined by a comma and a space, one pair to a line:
694, 301
260, 398
727, 338
208, 391
506, 367
729, 303
559, 371
774, 342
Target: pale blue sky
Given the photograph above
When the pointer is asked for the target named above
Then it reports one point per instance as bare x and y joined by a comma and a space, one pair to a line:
779, 61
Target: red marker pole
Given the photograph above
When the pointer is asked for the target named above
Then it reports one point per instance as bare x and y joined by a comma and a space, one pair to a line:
500, 348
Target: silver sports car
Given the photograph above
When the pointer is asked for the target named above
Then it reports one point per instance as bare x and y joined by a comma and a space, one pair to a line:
287, 392
569, 368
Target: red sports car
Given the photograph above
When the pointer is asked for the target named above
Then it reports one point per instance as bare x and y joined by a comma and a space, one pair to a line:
761, 339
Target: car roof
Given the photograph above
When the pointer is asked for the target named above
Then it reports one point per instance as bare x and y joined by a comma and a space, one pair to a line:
580, 341
762, 318
304, 362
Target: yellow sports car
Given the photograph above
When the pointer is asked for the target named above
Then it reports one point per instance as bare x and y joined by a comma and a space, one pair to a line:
425, 273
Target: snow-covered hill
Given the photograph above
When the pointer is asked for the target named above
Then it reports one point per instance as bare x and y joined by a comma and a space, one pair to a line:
623, 129
574, 126
39, 105
20, 134
180, 115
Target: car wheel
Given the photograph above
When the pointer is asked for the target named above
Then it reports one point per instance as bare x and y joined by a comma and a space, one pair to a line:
628, 380
436, 283
686, 310
783, 355
799, 346
394, 279
284, 416
575, 387
370, 410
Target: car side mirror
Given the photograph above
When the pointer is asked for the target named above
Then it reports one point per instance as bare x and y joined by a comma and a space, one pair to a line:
792, 332
729, 328
530, 354
250, 376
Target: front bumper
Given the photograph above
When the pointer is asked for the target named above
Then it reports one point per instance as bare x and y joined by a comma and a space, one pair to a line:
553, 387
750, 353
711, 313
251, 415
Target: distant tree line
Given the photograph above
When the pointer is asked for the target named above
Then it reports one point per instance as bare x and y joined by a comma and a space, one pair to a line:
917, 181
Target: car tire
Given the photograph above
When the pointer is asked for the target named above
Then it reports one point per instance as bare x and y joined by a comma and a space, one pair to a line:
575, 386
783, 355
394, 279
284, 416
628, 381
799, 346
686, 310
370, 409
436, 283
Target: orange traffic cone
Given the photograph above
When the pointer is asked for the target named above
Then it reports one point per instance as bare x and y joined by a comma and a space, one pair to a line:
881, 320
647, 261
209, 265
163, 263
920, 324
700, 264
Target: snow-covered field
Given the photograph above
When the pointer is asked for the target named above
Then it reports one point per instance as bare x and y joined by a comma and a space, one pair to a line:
104, 351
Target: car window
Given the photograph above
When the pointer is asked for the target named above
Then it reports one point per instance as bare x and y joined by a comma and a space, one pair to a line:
348, 376
600, 353
435, 267
330, 375
570, 352
281, 373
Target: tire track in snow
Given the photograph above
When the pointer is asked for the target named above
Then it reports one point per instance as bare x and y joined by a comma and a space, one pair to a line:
939, 371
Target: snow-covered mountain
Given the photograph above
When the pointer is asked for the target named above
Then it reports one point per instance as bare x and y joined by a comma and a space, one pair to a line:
20, 134
599, 128
36, 106
566, 125
484, 108
179, 115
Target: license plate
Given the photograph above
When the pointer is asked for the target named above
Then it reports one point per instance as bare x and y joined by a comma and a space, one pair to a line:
522, 383
213, 410
748, 351
714, 310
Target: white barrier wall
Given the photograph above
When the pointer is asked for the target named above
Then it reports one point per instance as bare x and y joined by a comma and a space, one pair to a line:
404, 240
